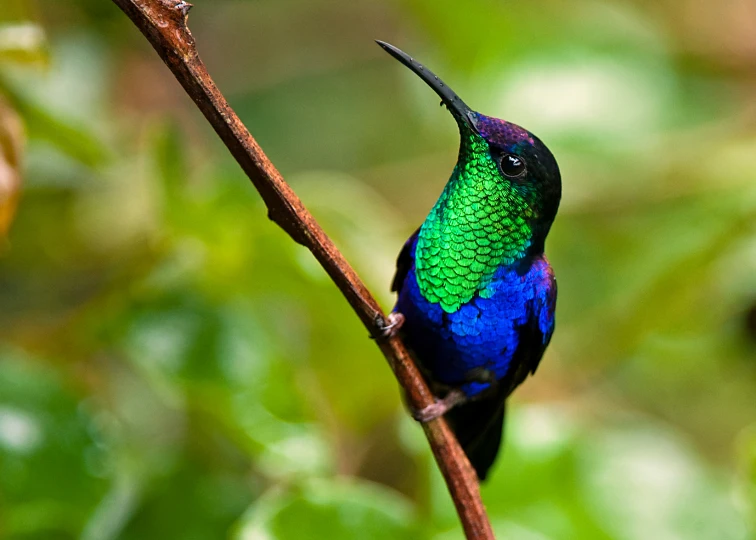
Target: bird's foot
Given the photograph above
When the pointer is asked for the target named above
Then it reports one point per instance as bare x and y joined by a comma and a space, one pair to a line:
394, 321
440, 407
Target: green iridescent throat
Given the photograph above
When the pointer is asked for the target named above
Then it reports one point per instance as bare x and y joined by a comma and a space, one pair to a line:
479, 224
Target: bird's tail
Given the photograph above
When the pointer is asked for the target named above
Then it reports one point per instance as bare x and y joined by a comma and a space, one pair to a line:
478, 426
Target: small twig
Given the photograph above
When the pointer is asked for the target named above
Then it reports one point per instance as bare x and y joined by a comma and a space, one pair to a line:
164, 24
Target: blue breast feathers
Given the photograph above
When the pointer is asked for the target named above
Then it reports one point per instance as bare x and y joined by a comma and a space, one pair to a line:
513, 323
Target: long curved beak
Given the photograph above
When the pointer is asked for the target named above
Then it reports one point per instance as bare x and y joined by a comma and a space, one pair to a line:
461, 112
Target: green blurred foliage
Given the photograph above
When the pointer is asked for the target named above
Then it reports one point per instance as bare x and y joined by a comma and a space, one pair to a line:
173, 366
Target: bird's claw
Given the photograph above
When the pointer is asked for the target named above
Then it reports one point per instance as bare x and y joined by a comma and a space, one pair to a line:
440, 407
431, 412
395, 321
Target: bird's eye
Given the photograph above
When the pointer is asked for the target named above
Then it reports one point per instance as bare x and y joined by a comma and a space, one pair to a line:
512, 166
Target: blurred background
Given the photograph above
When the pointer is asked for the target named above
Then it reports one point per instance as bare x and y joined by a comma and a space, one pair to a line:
172, 365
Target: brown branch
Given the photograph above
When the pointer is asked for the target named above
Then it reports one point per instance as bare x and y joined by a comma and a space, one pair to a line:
164, 24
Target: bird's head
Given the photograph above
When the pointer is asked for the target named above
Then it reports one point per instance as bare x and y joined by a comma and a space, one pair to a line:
503, 157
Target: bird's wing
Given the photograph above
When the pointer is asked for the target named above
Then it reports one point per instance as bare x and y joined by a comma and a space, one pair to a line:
542, 320
534, 335
404, 261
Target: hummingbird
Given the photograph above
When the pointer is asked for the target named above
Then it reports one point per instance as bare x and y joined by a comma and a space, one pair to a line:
476, 294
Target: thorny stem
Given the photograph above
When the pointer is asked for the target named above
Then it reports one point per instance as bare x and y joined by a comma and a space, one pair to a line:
164, 24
